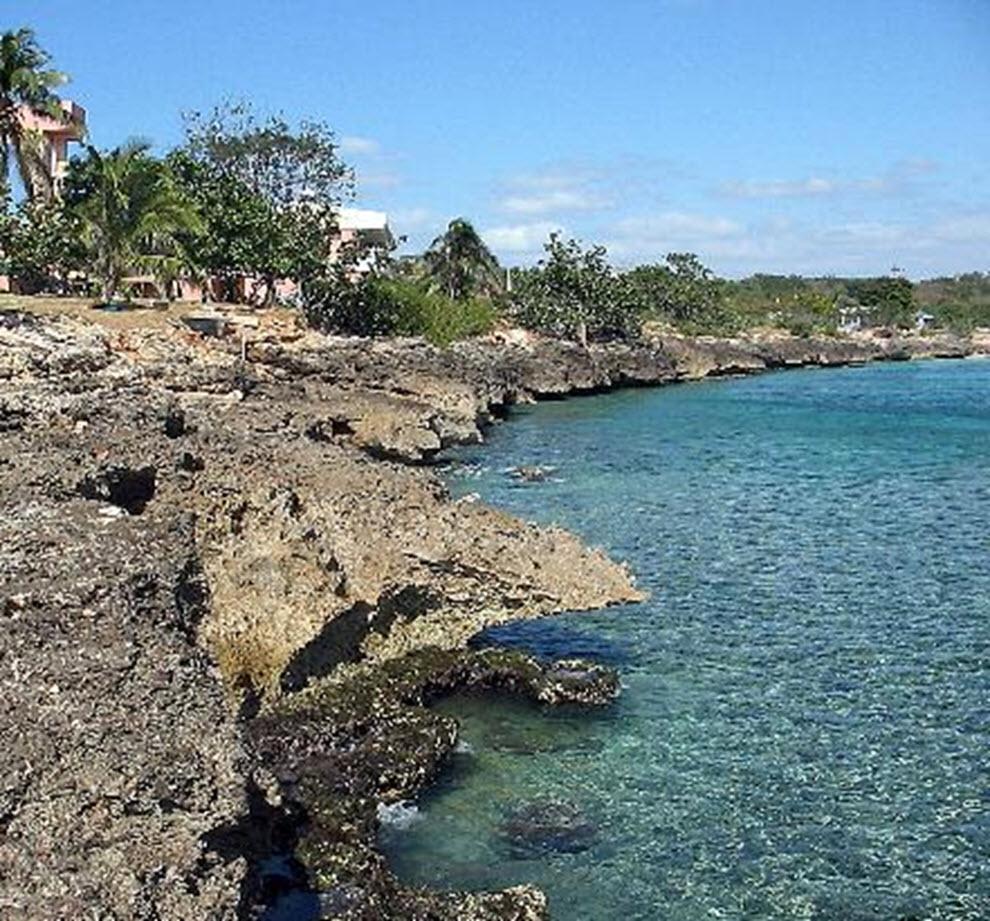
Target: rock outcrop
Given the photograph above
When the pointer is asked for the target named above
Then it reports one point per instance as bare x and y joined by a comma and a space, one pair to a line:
188, 539
342, 749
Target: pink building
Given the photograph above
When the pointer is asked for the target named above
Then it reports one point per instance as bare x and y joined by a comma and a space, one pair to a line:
56, 135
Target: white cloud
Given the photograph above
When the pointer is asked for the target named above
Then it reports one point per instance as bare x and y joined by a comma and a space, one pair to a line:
378, 179
780, 188
969, 228
553, 201
676, 225
556, 190
896, 178
413, 218
355, 146
409, 220
868, 233
519, 238
647, 238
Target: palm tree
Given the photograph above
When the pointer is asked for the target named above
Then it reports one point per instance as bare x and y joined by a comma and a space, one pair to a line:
26, 83
133, 215
459, 264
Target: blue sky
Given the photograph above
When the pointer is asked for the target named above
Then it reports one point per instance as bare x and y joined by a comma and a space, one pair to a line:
816, 136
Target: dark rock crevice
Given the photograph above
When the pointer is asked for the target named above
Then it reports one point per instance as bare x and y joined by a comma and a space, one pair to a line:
129, 488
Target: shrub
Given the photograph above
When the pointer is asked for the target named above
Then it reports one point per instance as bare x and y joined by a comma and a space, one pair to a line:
439, 319
682, 291
375, 306
575, 293
809, 312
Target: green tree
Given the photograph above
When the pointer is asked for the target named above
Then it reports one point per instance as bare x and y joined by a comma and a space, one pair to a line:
26, 82
268, 191
889, 299
682, 290
132, 214
459, 265
573, 292
241, 232
42, 246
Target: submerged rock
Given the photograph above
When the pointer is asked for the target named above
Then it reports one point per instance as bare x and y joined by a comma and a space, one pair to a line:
547, 826
352, 751
531, 474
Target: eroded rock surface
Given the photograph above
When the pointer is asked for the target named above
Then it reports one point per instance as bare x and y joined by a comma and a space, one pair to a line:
186, 538
120, 754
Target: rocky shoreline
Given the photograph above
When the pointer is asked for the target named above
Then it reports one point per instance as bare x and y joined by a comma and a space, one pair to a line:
229, 588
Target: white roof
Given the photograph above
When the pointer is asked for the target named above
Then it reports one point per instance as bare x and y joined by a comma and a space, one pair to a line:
361, 219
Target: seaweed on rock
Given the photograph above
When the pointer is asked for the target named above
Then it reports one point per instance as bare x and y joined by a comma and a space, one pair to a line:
343, 746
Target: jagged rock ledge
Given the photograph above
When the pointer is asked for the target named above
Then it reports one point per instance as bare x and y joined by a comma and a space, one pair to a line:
188, 540
343, 749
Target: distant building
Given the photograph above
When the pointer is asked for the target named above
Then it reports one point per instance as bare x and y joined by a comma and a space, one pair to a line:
369, 229
56, 134
853, 317
923, 320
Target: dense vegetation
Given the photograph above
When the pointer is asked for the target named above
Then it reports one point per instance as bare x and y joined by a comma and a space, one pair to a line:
245, 197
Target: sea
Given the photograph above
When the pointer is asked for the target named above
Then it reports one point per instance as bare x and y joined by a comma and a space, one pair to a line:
804, 725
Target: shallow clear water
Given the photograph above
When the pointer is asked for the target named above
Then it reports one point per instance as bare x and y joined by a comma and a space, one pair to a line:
804, 730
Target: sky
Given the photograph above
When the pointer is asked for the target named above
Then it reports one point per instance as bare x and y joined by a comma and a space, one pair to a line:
793, 136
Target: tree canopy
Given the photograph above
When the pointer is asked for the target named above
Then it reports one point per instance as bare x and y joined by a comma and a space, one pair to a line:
268, 192
26, 81
132, 214
460, 265
575, 292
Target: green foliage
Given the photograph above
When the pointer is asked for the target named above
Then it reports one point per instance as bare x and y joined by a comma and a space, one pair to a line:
809, 312
242, 233
268, 192
682, 291
889, 300
286, 165
438, 318
132, 215
818, 305
575, 293
459, 265
355, 306
760, 299
960, 303
41, 245
377, 306
26, 80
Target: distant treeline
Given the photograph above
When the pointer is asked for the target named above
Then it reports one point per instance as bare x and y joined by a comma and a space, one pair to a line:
457, 288
958, 303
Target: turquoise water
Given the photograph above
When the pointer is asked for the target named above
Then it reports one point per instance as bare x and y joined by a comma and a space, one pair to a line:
804, 730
